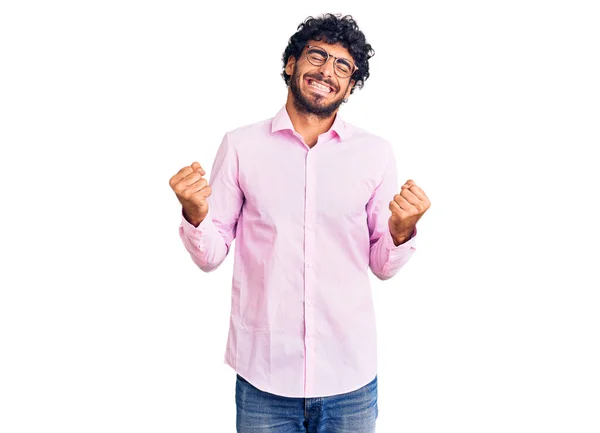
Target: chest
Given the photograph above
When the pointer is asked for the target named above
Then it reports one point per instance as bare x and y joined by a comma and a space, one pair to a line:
284, 182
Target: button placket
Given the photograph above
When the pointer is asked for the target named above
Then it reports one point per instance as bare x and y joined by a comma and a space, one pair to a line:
310, 265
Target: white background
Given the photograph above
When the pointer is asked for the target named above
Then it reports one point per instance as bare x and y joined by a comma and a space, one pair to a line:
106, 325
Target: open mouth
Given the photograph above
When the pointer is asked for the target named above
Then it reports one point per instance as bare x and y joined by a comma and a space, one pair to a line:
319, 86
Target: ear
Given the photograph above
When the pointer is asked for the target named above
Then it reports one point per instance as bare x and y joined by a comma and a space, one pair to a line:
289, 67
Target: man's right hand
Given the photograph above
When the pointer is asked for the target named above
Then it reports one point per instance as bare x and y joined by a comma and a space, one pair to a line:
192, 190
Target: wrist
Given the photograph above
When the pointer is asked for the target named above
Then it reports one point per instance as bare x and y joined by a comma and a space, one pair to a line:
192, 219
400, 238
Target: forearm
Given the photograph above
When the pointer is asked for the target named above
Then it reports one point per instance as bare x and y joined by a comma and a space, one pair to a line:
204, 243
386, 257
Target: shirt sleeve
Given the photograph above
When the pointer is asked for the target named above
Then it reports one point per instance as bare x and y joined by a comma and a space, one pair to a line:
385, 258
208, 244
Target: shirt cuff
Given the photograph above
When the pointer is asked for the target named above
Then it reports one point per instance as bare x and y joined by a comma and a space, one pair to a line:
203, 228
410, 244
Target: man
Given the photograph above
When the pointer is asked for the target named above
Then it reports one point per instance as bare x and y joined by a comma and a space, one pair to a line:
313, 202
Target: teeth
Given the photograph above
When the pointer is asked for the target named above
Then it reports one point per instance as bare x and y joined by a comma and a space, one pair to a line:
320, 86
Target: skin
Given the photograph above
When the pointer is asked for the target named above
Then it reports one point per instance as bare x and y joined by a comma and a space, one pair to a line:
308, 125
192, 190
407, 208
310, 118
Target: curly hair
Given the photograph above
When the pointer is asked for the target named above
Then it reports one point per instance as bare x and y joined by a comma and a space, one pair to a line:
332, 29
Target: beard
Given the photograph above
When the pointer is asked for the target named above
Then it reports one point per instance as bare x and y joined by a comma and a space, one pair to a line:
311, 104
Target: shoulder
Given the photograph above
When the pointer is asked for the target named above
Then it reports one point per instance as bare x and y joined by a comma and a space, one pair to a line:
248, 132
373, 141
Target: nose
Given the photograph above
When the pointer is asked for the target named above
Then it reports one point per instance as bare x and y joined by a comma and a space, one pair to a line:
327, 68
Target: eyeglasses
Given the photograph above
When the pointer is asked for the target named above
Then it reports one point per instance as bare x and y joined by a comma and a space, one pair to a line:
318, 57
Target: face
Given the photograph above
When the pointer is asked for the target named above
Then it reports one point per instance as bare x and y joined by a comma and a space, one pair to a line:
317, 90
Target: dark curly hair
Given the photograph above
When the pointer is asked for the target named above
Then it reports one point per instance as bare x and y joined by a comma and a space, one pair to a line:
332, 29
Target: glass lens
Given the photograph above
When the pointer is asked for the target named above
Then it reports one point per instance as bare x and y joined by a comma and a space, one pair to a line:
343, 68
316, 56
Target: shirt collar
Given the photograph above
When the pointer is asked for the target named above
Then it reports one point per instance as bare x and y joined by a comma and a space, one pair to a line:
282, 121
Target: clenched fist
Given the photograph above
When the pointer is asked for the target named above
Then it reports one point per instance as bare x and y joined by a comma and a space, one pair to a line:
192, 190
407, 208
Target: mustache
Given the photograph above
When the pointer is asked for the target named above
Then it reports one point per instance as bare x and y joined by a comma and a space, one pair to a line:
322, 79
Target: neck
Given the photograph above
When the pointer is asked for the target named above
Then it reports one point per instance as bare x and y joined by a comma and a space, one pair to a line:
309, 126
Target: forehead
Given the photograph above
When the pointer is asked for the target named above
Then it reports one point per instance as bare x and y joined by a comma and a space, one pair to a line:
337, 50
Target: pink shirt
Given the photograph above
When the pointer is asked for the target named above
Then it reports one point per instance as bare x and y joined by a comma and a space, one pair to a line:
309, 223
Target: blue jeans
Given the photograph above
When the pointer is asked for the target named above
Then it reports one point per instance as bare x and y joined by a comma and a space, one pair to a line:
262, 412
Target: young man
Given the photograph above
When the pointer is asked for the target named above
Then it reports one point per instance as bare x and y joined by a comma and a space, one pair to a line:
313, 202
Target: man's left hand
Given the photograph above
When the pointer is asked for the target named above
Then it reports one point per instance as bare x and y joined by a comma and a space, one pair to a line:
407, 208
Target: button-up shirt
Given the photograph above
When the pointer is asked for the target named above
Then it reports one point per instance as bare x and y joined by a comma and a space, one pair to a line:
309, 223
